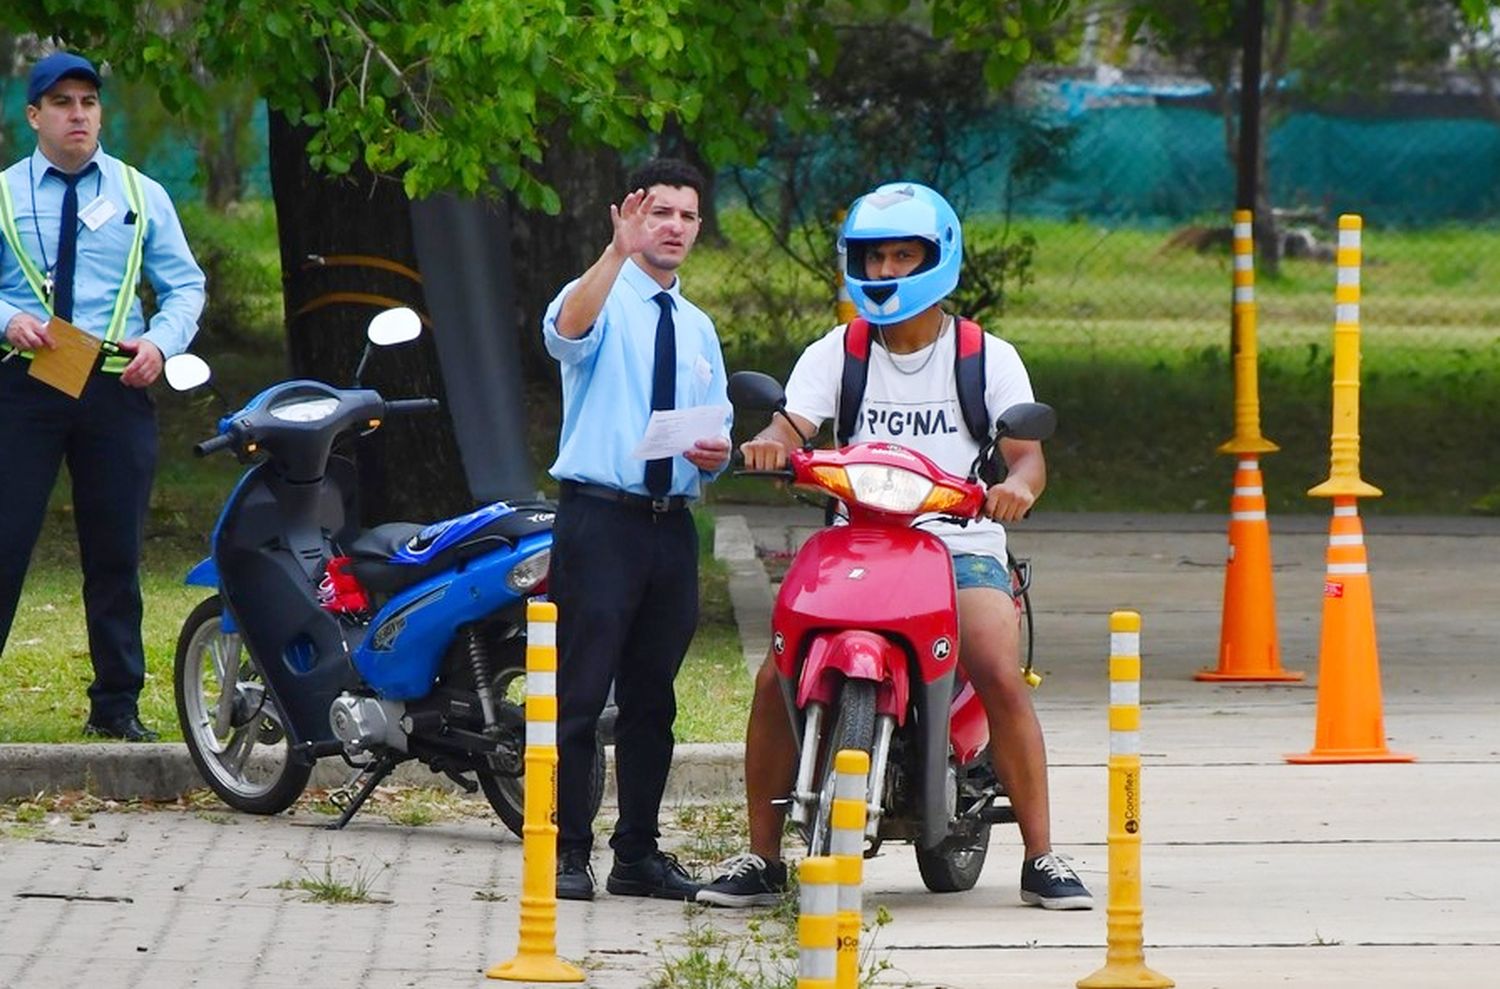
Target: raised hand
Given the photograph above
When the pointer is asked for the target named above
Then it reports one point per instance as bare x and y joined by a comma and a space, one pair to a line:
633, 232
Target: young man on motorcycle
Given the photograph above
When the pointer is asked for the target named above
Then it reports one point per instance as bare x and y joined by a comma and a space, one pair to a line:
905, 247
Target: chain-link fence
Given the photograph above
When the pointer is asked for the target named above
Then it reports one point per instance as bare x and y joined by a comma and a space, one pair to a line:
1117, 291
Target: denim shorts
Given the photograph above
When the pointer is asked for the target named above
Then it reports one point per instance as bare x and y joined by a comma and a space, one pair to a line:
981, 570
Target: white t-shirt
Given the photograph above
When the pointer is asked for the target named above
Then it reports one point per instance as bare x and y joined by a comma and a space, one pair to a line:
912, 400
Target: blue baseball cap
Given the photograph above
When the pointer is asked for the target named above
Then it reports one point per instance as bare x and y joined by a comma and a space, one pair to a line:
49, 71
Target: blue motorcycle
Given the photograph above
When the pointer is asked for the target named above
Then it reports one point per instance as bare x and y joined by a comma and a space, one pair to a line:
380, 646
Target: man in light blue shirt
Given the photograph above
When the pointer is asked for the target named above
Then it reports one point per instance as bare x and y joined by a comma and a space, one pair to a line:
79, 229
624, 547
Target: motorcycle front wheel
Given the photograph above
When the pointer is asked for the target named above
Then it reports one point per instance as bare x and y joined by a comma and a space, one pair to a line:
854, 728
229, 720
954, 864
506, 792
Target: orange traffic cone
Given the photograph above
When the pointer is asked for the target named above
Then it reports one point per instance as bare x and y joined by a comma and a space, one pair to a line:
1350, 725
1247, 638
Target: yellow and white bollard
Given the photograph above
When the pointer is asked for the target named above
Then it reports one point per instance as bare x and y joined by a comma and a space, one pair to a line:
536, 949
1247, 437
847, 847
1125, 960
817, 924
1343, 472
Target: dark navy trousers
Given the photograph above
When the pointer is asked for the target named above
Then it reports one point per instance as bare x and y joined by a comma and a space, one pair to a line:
107, 437
625, 581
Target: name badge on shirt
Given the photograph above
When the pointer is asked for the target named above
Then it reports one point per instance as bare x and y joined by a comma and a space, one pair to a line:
97, 213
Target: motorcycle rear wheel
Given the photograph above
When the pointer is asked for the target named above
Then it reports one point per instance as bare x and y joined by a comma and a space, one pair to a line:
226, 715
507, 794
854, 729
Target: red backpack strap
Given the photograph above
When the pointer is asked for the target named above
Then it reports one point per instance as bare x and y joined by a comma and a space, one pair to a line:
968, 373
852, 383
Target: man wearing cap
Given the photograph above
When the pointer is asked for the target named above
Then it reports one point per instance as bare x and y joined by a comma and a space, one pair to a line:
79, 229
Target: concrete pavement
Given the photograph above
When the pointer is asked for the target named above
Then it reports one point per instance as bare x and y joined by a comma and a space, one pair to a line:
1256, 872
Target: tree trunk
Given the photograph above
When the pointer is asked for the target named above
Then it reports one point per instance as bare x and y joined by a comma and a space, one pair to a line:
550, 251
331, 229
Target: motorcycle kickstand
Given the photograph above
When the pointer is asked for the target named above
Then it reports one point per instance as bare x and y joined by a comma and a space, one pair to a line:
377, 773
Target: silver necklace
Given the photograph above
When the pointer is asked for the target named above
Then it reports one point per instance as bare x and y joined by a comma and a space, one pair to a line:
931, 348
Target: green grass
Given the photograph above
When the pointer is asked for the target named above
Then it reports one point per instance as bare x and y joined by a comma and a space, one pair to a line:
341, 879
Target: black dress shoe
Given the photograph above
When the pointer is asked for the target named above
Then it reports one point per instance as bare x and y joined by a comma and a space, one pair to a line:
658, 875
129, 728
575, 878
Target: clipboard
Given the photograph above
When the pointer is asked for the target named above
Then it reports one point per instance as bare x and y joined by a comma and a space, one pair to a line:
67, 366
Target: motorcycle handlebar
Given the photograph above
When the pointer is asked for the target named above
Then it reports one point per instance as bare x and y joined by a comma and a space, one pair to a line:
405, 406
212, 445
784, 474
737, 467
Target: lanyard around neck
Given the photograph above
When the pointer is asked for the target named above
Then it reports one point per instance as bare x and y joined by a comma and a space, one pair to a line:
36, 224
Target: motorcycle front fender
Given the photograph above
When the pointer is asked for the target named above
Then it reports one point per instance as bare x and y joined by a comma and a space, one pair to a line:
855, 655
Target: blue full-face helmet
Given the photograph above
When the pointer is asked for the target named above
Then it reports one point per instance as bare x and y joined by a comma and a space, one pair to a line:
902, 211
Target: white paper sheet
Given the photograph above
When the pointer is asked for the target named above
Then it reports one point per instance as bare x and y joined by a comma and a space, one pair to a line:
672, 431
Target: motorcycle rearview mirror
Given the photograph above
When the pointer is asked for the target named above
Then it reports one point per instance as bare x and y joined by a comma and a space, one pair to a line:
392, 326
1022, 421
1027, 421
388, 327
760, 392
755, 391
186, 371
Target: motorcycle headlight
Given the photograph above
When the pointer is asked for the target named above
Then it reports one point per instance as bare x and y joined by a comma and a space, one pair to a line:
524, 576
890, 489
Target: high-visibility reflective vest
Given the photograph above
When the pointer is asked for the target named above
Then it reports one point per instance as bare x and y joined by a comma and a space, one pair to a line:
132, 277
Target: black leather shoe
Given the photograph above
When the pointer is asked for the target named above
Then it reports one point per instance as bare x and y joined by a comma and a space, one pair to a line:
129, 728
658, 875
575, 879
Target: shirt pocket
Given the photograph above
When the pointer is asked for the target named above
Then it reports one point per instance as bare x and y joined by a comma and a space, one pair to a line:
109, 246
699, 374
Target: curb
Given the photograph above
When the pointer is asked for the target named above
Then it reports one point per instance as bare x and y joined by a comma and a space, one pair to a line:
749, 590
701, 773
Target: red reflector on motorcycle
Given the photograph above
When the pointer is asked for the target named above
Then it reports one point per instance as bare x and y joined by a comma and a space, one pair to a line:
340, 591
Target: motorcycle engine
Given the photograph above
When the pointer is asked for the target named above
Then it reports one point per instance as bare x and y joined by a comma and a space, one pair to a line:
363, 723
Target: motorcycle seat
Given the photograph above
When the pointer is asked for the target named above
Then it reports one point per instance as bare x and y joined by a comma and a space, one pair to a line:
398, 554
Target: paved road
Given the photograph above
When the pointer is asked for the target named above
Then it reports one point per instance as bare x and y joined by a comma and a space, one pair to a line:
1257, 873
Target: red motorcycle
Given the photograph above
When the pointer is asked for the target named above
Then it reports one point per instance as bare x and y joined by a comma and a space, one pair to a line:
865, 637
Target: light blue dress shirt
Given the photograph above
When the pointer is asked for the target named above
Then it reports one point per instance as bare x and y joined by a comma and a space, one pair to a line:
102, 253
606, 382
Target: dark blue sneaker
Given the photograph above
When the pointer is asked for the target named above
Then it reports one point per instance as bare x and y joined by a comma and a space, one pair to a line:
1048, 881
746, 881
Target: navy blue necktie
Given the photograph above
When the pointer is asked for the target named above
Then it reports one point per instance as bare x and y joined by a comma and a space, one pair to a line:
663, 391
67, 247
